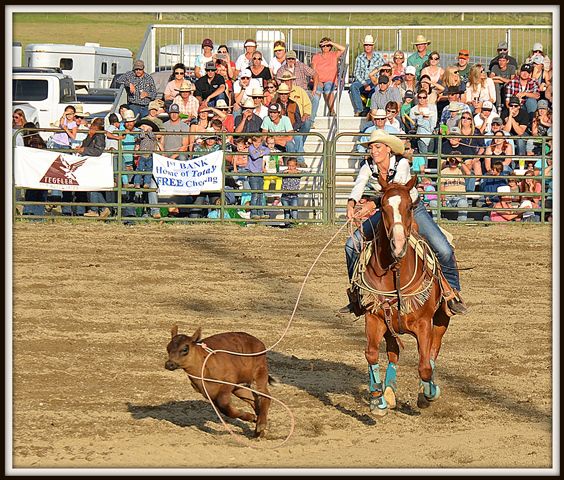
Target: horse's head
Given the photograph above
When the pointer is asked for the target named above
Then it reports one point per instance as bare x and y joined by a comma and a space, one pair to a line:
397, 215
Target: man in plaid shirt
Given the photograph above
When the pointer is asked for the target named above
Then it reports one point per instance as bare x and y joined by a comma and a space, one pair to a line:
525, 88
140, 88
366, 62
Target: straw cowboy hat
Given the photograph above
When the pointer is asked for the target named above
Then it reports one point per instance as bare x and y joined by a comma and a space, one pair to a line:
186, 86
257, 92
381, 136
283, 88
287, 76
222, 104
419, 39
156, 105
129, 116
378, 113
80, 111
248, 103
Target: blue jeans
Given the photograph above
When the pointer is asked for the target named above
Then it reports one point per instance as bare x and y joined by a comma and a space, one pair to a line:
455, 202
290, 200
428, 229
355, 90
96, 197
32, 195
145, 165
256, 183
141, 110
315, 99
296, 145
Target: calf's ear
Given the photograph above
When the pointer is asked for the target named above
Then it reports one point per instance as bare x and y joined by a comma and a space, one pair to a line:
197, 335
174, 331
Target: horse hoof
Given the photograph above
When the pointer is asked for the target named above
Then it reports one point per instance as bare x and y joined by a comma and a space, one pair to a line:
378, 406
437, 394
422, 401
390, 397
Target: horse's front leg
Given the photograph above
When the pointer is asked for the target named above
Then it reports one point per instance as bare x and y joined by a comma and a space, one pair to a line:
390, 380
375, 329
428, 390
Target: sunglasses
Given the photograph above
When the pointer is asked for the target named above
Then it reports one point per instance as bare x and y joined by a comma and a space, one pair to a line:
502, 49
537, 51
138, 69
271, 87
466, 118
422, 97
323, 46
391, 111
179, 73
257, 58
434, 58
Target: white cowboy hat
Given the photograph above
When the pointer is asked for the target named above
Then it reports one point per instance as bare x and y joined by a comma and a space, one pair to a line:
368, 40
221, 104
283, 88
186, 86
419, 39
257, 92
378, 113
80, 111
129, 116
248, 103
381, 136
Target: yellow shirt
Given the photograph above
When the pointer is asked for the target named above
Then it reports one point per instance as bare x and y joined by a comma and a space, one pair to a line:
300, 96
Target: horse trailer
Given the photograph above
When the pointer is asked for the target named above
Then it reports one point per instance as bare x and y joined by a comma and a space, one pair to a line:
90, 65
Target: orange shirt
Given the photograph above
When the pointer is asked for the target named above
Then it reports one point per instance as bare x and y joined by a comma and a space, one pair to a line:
326, 65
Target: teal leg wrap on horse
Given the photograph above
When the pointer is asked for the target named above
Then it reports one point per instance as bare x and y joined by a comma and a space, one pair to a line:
430, 390
375, 384
391, 376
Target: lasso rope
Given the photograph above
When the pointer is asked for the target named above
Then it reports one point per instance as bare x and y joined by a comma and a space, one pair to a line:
213, 352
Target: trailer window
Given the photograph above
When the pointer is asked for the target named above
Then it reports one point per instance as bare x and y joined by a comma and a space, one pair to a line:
114, 68
66, 63
30, 90
104, 68
67, 91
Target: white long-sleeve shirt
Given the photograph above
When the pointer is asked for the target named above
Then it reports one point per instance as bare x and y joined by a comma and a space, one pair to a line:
366, 178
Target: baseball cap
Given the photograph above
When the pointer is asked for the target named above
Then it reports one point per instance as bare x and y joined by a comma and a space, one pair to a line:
487, 105
210, 66
410, 70
502, 45
542, 104
537, 46
409, 94
206, 42
463, 54
497, 120
274, 107
527, 67
454, 130
174, 108
514, 100
383, 79
291, 54
139, 64
245, 73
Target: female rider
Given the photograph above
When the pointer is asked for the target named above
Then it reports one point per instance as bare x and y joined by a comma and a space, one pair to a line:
386, 158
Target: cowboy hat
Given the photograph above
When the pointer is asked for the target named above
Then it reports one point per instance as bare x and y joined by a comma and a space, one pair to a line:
248, 103
129, 116
212, 130
419, 39
257, 92
80, 111
283, 88
156, 105
222, 104
186, 86
146, 121
378, 113
287, 76
381, 136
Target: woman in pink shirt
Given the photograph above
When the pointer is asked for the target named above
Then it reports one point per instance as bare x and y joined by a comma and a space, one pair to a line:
326, 64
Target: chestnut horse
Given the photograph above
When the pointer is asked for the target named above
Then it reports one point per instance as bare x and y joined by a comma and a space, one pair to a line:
396, 276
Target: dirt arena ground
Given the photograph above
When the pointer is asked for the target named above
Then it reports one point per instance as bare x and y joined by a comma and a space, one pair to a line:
93, 306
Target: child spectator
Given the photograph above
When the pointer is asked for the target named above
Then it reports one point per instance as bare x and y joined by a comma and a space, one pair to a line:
257, 164
273, 163
429, 200
291, 183
147, 142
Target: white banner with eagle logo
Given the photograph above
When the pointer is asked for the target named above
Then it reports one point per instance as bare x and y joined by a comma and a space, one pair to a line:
46, 170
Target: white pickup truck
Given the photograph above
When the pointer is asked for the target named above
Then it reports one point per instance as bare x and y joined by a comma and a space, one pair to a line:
50, 91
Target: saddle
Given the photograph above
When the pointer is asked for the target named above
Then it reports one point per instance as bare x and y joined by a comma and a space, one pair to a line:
363, 297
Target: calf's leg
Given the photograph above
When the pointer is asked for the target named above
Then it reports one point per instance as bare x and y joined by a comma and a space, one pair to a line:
223, 402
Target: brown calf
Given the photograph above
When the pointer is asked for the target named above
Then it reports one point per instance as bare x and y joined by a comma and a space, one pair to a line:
187, 353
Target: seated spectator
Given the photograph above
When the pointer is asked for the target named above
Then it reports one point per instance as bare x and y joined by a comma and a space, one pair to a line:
376, 120
200, 125
430, 200
305, 76
531, 185
385, 92
244, 60
496, 126
278, 123
538, 50
248, 121
176, 79
301, 97
257, 94
540, 127
453, 95
498, 150
409, 81
258, 70
483, 119
242, 89
392, 113
210, 87
503, 208
223, 54
433, 69
474, 140
524, 88
450, 183
516, 122
222, 70
538, 74
407, 123
270, 92
187, 103
479, 89
424, 121
455, 110
398, 66
502, 51
491, 185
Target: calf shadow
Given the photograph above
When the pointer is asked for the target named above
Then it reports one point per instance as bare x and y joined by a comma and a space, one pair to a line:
188, 413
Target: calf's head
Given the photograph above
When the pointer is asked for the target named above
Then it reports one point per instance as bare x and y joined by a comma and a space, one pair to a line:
181, 349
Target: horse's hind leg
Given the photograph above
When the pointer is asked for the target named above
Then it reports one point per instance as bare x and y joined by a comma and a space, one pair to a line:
375, 329
440, 325
390, 380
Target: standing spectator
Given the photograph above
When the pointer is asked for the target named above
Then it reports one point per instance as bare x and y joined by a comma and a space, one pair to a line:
174, 145
257, 164
289, 183
248, 121
385, 92
434, 70
479, 88
516, 121
420, 56
258, 70
279, 58
304, 74
176, 79
223, 54
211, 87
33, 140
503, 50
141, 88
497, 126
524, 88
244, 60
365, 63
148, 142
18, 122
501, 74
187, 102
203, 58
463, 65
326, 66
452, 181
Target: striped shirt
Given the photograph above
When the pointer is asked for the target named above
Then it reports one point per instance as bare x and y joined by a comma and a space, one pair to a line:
301, 71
